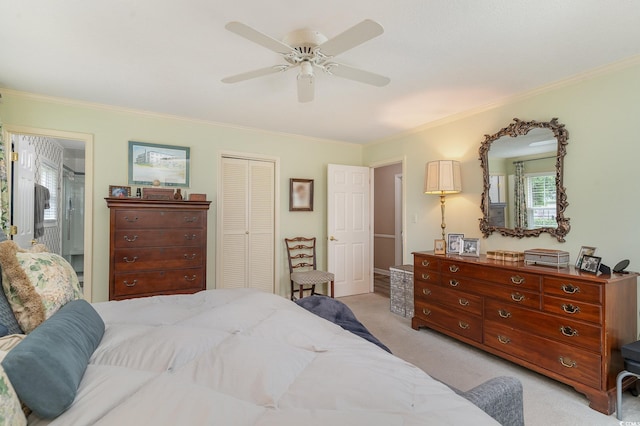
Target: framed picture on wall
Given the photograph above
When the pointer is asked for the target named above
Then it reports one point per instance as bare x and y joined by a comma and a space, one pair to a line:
300, 195
153, 164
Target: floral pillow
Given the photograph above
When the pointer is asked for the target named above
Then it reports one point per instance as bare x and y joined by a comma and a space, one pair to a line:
36, 284
10, 408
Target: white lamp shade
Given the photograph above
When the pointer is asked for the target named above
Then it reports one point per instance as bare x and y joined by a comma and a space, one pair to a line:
442, 177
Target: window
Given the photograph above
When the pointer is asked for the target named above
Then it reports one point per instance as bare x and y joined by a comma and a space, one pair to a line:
49, 179
541, 200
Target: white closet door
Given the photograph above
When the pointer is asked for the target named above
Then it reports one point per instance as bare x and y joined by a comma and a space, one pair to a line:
248, 224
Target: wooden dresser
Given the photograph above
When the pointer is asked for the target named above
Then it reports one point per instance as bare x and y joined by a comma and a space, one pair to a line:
559, 322
156, 247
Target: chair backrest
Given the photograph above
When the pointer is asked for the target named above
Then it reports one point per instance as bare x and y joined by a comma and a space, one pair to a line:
301, 252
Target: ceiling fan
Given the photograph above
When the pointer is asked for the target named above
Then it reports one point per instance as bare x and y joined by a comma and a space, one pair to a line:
308, 49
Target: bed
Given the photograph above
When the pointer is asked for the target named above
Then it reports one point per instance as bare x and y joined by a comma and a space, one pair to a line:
245, 357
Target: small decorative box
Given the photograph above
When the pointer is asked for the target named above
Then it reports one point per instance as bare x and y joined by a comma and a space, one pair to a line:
546, 257
197, 197
505, 255
157, 193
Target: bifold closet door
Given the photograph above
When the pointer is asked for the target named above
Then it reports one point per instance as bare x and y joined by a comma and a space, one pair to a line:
248, 209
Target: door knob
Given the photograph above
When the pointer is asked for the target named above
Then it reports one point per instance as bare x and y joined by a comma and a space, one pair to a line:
332, 238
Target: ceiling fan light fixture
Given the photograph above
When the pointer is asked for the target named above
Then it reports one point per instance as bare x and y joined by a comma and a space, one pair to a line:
306, 70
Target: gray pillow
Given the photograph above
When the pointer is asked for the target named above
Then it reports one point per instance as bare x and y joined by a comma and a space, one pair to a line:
46, 368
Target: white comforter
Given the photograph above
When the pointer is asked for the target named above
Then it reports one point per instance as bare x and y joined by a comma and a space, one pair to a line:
242, 357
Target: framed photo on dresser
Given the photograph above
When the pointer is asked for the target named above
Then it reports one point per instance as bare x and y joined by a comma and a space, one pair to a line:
470, 247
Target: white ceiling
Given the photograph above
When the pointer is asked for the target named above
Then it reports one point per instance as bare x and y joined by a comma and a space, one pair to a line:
443, 57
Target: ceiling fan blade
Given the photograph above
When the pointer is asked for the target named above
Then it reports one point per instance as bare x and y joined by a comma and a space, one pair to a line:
356, 74
354, 36
259, 38
255, 73
306, 83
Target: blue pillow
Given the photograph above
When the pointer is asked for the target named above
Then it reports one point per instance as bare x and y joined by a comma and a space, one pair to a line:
46, 368
7, 318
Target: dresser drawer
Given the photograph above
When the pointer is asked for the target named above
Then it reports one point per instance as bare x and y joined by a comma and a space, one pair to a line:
572, 309
426, 276
134, 283
453, 320
576, 290
428, 263
514, 279
158, 237
552, 326
518, 296
128, 219
430, 293
573, 363
139, 259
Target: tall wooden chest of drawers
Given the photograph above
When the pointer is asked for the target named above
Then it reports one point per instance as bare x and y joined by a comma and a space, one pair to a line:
156, 247
560, 322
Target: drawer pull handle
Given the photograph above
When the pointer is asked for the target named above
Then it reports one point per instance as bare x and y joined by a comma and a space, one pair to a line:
570, 289
426, 291
504, 339
190, 237
463, 325
190, 219
426, 263
134, 219
426, 311
568, 331
193, 278
504, 314
190, 257
570, 309
569, 363
130, 239
126, 259
517, 297
454, 283
130, 284
517, 279
454, 268
463, 302
425, 276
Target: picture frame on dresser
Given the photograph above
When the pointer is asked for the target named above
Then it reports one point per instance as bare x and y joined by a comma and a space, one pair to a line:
590, 264
453, 243
469, 247
159, 165
584, 250
439, 247
118, 191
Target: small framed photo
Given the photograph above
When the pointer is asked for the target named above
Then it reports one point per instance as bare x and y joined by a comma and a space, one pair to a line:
300, 195
453, 245
584, 250
590, 264
439, 246
469, 247
117, 191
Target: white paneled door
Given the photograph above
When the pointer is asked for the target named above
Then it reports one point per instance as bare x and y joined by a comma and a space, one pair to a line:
247, 218
348, 228
24, 170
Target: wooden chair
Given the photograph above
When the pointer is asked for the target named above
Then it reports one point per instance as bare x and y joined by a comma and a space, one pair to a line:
301, 252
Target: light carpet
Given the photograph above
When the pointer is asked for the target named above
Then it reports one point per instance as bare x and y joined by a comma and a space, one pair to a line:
546, 401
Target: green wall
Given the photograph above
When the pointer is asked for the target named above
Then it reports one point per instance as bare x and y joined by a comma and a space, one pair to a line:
112, 128
602, 115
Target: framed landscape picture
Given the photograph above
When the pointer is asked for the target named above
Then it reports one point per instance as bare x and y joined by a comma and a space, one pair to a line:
158, 165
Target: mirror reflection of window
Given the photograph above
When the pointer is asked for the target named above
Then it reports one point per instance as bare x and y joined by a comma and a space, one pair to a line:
541, 200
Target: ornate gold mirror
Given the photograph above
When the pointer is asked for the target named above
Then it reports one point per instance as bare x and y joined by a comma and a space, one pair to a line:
522, 167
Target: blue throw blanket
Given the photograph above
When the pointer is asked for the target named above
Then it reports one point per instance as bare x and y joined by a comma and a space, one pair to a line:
338, 313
